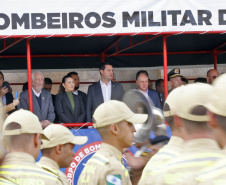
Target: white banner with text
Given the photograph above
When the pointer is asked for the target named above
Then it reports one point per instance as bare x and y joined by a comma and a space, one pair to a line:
85, 17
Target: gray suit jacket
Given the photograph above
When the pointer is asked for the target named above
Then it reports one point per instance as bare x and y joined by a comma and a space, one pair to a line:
95, 97
47, 111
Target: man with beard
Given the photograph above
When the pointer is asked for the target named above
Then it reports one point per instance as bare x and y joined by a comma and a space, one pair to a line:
75, 77
42, 100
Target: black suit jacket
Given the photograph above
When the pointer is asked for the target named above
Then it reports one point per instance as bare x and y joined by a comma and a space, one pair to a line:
84, 97
95, 97
56, 120
162, 99
64, 109
9, 99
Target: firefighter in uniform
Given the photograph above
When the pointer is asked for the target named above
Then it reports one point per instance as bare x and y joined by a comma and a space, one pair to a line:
145, 151
2, 150
215, 174
114, 122
57, 152
176, 143
200, 148
22, 134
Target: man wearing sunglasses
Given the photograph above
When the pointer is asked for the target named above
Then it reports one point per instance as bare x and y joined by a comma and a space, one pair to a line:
212, 74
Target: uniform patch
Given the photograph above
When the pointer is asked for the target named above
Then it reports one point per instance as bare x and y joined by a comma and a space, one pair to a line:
114, 180
146, 151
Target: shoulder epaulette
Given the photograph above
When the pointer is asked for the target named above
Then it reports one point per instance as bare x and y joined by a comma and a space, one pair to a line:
51, 170
99, 159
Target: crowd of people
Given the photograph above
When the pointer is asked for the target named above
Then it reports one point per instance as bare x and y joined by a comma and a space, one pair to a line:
194, 154
71, 105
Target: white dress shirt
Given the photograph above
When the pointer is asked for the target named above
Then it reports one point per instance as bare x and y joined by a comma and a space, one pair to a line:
106, 90
146, 94
36, 94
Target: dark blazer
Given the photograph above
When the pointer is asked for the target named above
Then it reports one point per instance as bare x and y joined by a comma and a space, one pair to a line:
162, 99
64, 109
56, 120
155, 98
84, 97
47, 110
9, 99
95, 97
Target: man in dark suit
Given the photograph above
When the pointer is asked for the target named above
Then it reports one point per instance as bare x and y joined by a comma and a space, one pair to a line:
48, 86
142, 85
75, 77
42, 100
150, 86
6, 97
159, 84
103, 90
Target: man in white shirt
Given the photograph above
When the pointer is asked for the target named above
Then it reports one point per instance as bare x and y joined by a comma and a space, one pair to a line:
142, 85
42, 100
103, 90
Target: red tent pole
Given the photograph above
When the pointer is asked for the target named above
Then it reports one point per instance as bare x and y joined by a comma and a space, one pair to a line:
29, 74
165, 66
77, 124
215, 59
4, 43
102, 58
